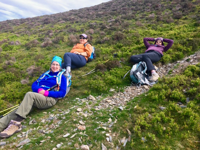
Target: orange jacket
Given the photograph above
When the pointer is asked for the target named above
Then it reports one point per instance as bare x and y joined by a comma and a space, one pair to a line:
80, 48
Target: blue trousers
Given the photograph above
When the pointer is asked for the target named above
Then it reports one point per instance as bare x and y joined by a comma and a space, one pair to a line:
73, 60
149, 57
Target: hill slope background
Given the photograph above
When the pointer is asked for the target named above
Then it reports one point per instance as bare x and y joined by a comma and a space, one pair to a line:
116, 29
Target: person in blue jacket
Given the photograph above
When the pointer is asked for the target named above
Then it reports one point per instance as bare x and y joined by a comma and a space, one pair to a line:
43, 96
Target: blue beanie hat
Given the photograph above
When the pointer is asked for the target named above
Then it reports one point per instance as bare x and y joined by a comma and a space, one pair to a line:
57, 59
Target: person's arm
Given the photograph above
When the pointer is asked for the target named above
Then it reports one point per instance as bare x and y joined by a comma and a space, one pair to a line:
88, 50
83, 53
146, 43
170, 43
35, 87
62, 91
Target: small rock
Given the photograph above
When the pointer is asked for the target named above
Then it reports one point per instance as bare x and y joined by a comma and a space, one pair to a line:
129, 132
42, 141
66, 135
121, 108
23, 142
33, 121
73, 135
123, 140
110, 138
81, 127
103, 147
179, 103
90, 97
107, 139
146, 87
85, 147
187, 100
81, 122
109, 120
50, 118
112, 90
2, 143
183, 106
76, 146
162, 108
58, 145
143, 139
79, 109
54, 148
24, 81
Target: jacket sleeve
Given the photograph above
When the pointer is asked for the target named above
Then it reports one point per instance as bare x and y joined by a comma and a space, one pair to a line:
35, 85
62, 91
146, 43
88, 50
170, 43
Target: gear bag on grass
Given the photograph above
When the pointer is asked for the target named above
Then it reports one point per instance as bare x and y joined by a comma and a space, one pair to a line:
93, 55
58, 80
138, 74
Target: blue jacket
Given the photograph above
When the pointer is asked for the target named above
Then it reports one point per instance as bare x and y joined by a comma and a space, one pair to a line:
48, 82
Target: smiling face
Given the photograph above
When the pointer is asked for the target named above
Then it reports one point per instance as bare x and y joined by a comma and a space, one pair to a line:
55, 67
83, 40
158, 42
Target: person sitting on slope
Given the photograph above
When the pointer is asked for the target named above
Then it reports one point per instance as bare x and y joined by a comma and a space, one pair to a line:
78, 56
40, 97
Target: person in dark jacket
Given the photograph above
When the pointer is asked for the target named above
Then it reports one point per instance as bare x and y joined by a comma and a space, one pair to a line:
41, 97
153, 54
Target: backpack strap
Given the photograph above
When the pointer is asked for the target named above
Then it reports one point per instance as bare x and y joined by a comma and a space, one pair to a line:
58, 78
145, 67
43, 76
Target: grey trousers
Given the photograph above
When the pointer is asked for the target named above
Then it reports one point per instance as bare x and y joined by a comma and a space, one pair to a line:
30, 99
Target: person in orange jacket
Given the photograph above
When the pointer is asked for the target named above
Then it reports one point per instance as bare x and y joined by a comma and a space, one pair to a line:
78, 56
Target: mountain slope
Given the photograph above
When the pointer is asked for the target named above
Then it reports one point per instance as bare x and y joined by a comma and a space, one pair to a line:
116, 29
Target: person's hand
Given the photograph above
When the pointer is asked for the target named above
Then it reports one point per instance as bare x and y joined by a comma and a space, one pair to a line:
42, 92
160, 38
77, 53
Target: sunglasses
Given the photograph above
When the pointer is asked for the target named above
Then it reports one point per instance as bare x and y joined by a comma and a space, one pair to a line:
83, 38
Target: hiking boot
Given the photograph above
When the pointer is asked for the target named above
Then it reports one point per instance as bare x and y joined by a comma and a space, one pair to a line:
12, 128
154, 77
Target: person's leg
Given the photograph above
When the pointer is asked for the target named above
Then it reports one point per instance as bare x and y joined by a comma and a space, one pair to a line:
136, 58
34, 99
74, 60
150, 58
4, 121
31, 99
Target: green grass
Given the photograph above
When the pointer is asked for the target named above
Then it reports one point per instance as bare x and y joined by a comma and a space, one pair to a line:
173, 128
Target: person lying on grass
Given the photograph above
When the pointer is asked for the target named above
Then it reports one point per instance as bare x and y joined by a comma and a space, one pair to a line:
153, 54
78, 56
41, 98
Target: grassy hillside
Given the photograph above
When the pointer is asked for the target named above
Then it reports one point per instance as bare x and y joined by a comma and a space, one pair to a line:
116, 29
